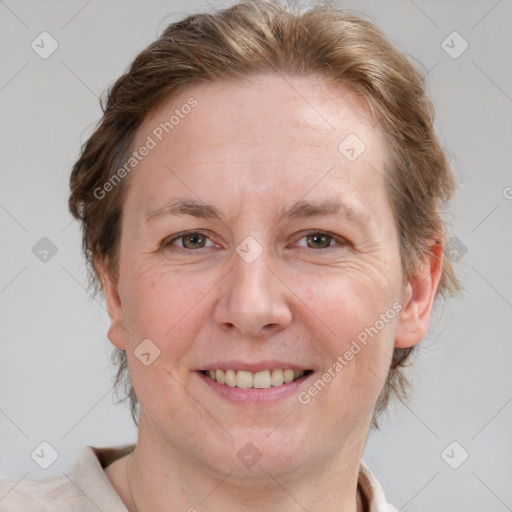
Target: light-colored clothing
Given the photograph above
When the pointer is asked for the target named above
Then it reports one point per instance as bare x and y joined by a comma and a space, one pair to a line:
86, 487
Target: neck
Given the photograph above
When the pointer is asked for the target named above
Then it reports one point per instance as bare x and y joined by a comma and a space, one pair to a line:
182, 484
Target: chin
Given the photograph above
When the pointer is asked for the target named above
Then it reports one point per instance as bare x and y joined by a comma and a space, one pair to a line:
260, 454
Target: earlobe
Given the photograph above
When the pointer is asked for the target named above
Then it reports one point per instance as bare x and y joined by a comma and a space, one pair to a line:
419, 299
116, 332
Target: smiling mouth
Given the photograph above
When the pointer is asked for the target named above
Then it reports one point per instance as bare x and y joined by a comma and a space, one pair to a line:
259, 380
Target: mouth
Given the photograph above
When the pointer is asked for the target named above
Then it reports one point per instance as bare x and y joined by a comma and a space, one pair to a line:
258, 380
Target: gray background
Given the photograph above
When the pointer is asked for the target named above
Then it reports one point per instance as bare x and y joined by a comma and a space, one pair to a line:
55, 372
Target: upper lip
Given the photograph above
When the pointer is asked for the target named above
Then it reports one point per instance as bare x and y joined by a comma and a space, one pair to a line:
253, 366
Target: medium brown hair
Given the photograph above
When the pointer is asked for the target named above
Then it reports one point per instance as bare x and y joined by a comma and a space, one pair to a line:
268, 37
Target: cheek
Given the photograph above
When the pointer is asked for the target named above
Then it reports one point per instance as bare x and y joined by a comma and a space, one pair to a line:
359, 321
348, 303
165, 307
161, 304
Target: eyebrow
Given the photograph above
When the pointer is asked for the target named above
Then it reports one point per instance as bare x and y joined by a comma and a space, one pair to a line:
301, 209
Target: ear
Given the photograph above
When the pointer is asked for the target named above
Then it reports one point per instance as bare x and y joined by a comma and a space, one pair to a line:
116, 332
418, 299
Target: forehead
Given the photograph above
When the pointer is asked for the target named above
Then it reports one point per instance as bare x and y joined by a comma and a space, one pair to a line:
268, 131
264, 104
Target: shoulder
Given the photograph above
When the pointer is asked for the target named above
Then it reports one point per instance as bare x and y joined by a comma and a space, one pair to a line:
85, 488
35, 495
373, 491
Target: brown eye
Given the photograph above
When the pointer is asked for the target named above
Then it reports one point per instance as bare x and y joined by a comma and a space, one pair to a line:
319, 241
193, 240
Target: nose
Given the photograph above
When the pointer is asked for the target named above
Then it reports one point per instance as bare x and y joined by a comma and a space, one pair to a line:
253, 299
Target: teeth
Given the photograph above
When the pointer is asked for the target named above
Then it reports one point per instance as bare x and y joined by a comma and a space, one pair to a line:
261, 380
277, 378
230, 378
288, 376
244, 379
220, 377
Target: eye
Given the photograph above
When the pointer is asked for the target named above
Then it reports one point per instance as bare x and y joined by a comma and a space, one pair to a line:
189, 240
320, 240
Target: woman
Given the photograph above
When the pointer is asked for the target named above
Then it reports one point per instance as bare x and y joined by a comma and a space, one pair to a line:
260, 205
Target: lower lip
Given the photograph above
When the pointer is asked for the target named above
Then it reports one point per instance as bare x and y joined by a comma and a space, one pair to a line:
254, 395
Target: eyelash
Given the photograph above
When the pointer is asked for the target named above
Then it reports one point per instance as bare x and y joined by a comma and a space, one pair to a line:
339, 240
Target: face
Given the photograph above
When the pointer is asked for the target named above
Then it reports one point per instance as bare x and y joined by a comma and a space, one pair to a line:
257, 237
